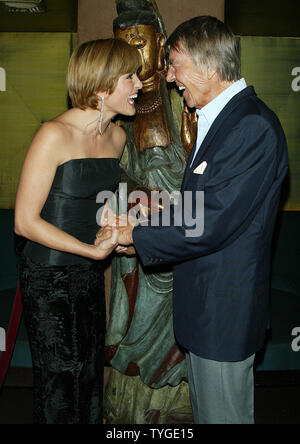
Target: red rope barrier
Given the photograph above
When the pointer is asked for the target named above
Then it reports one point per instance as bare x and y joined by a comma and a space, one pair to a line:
11, 336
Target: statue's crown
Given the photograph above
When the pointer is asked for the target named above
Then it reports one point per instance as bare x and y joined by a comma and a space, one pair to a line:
134, 13
133, 5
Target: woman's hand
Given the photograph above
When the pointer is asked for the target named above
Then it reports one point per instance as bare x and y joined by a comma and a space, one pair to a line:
106, 242
105, 235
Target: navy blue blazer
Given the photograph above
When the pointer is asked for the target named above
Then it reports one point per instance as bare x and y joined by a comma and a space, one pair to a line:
222, 278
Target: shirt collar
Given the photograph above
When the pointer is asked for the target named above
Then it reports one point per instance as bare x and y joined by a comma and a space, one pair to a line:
213, 108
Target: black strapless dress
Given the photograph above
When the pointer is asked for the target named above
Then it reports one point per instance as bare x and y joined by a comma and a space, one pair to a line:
64, 299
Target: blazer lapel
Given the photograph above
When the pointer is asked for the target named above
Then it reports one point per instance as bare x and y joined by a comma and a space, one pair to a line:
220, 120
188, 167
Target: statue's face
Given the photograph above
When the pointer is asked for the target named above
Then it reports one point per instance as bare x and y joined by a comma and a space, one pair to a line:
145, 39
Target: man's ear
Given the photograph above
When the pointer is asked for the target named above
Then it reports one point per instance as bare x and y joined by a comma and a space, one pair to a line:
161, 64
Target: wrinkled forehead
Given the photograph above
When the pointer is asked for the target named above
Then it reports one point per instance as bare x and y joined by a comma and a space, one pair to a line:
178, 47
178, 54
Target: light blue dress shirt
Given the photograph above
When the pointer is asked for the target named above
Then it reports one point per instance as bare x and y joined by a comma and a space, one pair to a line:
208, 114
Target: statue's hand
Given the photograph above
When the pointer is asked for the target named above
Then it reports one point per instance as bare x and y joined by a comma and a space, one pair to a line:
189, 128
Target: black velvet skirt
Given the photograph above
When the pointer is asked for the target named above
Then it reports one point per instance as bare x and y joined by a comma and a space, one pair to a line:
64, 314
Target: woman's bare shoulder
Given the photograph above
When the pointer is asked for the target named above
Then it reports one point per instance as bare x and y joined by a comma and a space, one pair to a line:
50, 141
119, 139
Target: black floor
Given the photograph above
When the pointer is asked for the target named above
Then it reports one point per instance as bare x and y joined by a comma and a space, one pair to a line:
16, 405
274, 405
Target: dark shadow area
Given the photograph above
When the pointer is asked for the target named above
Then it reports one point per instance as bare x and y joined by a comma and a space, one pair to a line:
263, 17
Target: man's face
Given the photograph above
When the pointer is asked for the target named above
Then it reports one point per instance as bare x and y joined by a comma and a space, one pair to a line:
197, 85
144, 38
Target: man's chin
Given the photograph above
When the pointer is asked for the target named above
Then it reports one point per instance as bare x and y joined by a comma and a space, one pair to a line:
190, 103
189, 100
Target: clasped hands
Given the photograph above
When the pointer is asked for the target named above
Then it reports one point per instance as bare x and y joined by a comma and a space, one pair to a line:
124, 227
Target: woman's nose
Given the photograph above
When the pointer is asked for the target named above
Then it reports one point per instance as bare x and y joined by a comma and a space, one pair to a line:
138, 83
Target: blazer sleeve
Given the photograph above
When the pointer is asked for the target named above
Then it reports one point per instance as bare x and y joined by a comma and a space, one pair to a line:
245, 167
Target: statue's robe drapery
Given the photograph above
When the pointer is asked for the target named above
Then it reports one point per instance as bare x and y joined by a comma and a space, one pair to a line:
140, 336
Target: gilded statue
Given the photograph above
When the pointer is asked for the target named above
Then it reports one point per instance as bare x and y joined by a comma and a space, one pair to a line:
148, 379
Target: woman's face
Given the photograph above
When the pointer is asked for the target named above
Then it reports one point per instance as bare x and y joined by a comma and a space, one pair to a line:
121, 101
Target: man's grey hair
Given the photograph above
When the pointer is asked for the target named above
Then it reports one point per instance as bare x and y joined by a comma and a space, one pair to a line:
210, 44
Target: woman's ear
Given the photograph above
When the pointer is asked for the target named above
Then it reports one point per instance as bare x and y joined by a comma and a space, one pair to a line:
100, 94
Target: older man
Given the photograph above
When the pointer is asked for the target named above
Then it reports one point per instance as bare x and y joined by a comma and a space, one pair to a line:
221, 277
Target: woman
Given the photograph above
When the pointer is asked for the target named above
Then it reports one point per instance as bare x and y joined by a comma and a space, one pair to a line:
71, 159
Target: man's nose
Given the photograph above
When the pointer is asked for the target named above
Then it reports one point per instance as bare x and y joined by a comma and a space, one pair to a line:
170, 77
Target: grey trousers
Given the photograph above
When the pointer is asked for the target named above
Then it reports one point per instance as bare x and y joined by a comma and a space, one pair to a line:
221, 392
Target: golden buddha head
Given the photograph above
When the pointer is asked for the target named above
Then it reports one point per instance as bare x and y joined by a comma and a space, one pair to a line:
138, 24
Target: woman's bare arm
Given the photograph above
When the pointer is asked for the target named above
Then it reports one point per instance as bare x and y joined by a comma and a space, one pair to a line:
43, 158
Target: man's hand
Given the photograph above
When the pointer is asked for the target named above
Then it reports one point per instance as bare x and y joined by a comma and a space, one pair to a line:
125, 235
129, 251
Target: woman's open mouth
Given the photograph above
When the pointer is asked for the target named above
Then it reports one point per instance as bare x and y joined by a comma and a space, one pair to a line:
131, 100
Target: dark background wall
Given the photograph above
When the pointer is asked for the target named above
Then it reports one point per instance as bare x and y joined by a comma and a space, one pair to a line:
274, 18
245, 17
60, 16
95, 17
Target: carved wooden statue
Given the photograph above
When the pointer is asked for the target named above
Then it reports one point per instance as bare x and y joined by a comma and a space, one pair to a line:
148, 379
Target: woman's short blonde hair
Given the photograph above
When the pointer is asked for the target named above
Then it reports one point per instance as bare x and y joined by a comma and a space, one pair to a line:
97, 66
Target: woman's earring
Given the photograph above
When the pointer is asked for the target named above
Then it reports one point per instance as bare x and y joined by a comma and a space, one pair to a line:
101, 115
